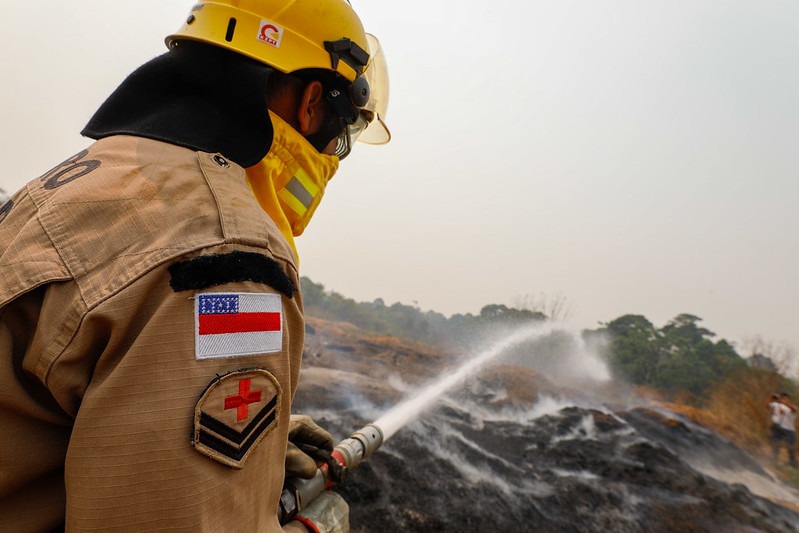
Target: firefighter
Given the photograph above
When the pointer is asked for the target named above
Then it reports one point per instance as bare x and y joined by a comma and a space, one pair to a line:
151, 325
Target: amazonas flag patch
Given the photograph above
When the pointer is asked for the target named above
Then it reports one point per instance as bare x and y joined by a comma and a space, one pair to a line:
235, 324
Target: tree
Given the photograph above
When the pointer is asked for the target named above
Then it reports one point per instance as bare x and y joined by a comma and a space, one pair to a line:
680, 356
635, 349
312, 293
685, 327
783, 355
553, 306
508, 315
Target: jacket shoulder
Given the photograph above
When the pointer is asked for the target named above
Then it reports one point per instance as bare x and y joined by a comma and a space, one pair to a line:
127, 204
26, 260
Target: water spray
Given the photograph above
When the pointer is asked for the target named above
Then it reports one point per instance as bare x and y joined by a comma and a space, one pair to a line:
406, 411
348, 454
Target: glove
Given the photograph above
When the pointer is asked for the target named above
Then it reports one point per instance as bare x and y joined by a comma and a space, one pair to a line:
328, 513
307, 446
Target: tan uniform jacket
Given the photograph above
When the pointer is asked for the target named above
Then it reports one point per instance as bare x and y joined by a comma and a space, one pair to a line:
117, 413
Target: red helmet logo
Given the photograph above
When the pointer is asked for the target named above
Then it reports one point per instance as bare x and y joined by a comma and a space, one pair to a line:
270, 33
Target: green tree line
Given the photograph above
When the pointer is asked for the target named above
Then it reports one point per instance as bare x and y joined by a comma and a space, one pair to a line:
681, 357
410, 322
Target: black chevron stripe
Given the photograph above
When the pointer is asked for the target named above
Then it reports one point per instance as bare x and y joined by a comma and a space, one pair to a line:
226, 449
216, 426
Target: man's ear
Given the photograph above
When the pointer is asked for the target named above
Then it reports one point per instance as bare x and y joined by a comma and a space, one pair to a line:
311, 112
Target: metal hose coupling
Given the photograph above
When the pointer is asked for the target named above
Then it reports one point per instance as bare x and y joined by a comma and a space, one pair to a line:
358, 446
348, 454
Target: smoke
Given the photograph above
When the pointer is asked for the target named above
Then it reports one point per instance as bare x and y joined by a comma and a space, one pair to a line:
401, 414
546, 405
564, 356
585, 430
784, 355
472, 462
479, 413
475, 464
716, 461
766, 486
469, 421
550, 348
582, 474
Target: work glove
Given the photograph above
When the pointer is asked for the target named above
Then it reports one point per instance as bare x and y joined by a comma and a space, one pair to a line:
328, 513
307, 447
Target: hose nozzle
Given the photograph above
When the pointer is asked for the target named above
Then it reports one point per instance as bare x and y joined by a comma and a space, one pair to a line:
347, 455
358, 446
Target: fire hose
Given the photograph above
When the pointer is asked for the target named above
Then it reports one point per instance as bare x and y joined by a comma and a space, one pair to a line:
346, 456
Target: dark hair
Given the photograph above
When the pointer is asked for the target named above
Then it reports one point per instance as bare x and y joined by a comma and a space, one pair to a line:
333, 124
279, 83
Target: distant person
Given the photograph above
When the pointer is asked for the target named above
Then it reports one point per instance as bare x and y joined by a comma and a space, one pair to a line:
783, 426
775, 431
788, 425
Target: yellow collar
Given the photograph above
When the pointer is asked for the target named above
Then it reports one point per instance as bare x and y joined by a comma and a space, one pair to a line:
290, 181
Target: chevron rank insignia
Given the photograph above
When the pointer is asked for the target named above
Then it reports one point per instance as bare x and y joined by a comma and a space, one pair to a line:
234, 414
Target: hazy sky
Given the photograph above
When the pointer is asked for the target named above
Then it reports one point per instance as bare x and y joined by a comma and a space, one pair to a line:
630, 156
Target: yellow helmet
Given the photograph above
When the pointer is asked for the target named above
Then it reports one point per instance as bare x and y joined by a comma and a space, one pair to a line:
291, 35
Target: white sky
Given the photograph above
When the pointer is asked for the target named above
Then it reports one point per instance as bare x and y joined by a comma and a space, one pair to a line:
632, 156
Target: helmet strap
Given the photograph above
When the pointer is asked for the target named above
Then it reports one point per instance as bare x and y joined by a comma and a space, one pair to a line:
341, 113
330, 129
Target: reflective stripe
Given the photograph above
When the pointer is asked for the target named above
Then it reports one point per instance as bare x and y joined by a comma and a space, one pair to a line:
299, 192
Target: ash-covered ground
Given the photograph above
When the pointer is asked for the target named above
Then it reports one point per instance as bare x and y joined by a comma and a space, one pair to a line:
510, 450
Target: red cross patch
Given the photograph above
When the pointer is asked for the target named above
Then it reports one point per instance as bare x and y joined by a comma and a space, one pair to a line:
234, 414
241, 401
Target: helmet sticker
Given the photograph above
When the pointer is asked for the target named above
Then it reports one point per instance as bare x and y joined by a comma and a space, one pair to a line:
270, 33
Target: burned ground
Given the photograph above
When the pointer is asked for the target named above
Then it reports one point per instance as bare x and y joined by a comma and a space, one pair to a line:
511, 451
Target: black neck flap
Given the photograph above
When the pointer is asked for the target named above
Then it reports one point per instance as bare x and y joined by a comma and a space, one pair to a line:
197, 96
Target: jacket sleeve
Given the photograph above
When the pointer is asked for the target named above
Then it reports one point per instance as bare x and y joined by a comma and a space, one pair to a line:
183, 417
